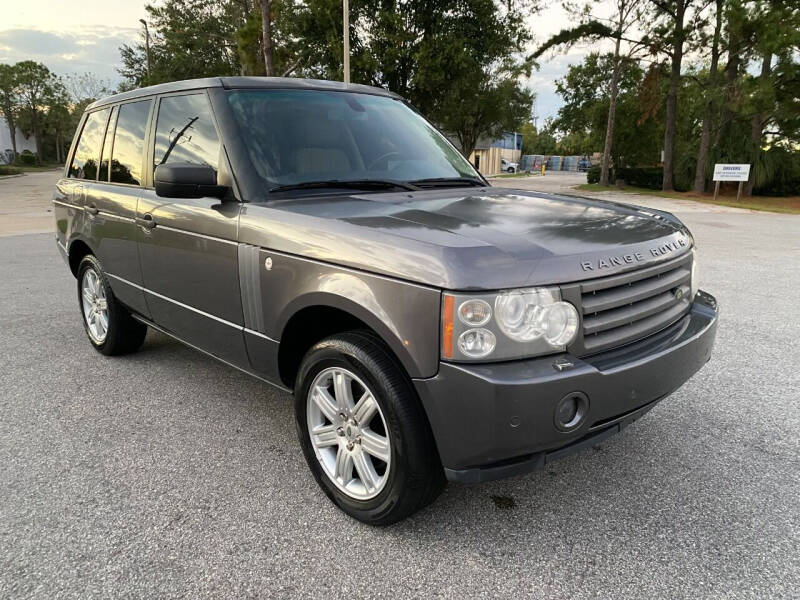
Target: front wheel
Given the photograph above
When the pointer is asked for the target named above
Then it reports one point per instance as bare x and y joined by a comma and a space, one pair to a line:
110, 327
363, 431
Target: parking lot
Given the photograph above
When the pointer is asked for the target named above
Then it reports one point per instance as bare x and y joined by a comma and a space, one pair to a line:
167, 474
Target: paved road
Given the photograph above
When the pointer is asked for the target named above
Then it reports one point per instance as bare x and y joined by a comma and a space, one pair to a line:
25, 205
166, 474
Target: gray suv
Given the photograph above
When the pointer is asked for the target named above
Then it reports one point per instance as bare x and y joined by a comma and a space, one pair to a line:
328, 240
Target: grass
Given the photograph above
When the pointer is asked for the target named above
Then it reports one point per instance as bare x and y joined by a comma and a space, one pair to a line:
789, 205
38, 168
5, 170
517, 174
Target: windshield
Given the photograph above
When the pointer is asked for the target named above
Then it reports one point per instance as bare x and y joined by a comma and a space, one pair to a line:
306, 136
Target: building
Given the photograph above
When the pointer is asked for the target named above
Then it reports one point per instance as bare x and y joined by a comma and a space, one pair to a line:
487, 155
23, 143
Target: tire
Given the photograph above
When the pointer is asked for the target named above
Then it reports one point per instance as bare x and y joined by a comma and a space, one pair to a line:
412, 477
123, 334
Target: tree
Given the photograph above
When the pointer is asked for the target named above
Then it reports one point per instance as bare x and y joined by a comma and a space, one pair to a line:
670, 33
711, 93
83, 86
38, 89
189, 39
266, 28
9, 101
583, 118
458, 64
627, 14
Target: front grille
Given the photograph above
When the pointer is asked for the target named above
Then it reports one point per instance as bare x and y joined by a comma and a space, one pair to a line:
623, 308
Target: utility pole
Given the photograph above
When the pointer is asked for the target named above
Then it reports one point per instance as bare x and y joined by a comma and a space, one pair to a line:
147, 47
346, 35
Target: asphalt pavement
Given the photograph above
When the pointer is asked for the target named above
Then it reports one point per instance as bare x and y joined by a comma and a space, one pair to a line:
167, 474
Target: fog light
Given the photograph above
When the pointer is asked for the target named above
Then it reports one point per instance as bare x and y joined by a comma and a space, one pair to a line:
571, 411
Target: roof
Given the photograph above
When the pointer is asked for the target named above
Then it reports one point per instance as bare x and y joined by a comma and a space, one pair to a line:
244, 82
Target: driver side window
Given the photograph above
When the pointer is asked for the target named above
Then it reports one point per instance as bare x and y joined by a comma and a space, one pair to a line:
185, 131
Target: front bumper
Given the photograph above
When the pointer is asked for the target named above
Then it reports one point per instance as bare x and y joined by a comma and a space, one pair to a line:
497, 420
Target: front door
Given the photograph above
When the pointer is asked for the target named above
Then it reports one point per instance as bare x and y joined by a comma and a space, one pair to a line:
188, 247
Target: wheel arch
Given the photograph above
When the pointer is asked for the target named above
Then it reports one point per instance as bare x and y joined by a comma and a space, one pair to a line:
78, 248
317, 315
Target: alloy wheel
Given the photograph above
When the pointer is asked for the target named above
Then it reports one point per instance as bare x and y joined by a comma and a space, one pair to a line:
348, 432
95, 306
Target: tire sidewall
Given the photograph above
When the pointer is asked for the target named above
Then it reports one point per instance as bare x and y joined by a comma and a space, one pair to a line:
90, 262
345, 355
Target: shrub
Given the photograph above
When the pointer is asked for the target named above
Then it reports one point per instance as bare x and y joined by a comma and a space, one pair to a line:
4, 170
26, 158
780, 187
644, 177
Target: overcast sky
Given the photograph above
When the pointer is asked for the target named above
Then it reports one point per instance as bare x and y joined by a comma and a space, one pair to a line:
70, 37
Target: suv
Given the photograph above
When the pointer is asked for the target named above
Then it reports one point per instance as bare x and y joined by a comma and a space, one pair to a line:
328, 240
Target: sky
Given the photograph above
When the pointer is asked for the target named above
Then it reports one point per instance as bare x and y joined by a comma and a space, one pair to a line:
70, 38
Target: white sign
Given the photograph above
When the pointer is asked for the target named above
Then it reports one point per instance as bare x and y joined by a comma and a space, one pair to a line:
731, 172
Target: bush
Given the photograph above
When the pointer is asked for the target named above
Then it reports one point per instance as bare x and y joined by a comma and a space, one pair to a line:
26, 158
4, 170
644, 177
650, 178
780, 187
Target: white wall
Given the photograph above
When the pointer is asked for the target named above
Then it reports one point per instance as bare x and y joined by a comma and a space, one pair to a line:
23, 143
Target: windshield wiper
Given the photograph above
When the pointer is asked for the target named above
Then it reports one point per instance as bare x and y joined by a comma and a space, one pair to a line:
449, 182
355, 184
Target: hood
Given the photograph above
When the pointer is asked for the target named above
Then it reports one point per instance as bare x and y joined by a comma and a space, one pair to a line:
474, 238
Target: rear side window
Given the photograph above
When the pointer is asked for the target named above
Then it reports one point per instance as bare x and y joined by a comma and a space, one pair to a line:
107, 145
87, 154
127, 157
185, 131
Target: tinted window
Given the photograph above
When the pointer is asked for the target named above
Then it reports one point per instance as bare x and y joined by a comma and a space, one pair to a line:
126, 160
185, 131
87, 154
107, 145
296, 136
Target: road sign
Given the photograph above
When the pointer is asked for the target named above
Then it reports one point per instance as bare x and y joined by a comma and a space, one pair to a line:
724, 172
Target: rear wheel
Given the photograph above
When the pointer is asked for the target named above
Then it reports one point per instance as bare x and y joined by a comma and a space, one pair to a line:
363, 431
108, 324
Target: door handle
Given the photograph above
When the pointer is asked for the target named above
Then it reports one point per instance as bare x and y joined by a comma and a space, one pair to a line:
92, 209
146, 221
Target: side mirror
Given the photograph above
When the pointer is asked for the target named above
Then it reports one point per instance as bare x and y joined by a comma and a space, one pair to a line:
187, 180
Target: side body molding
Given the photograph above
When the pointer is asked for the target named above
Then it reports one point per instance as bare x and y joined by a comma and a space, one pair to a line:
250, 287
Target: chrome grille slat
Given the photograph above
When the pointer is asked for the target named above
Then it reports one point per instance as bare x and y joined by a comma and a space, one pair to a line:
623, 308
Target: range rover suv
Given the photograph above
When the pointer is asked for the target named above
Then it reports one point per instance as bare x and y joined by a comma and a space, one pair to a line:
328, 240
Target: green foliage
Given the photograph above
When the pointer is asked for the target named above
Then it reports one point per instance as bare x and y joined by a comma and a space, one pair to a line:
642, 177
5, 170
582, 119
457, 62
26, 158
591, 31
541, 141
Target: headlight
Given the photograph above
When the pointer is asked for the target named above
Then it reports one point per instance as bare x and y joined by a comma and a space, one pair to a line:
695, 284
526, 322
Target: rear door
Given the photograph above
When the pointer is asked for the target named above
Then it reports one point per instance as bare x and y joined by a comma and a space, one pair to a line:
188, 247
111, 203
